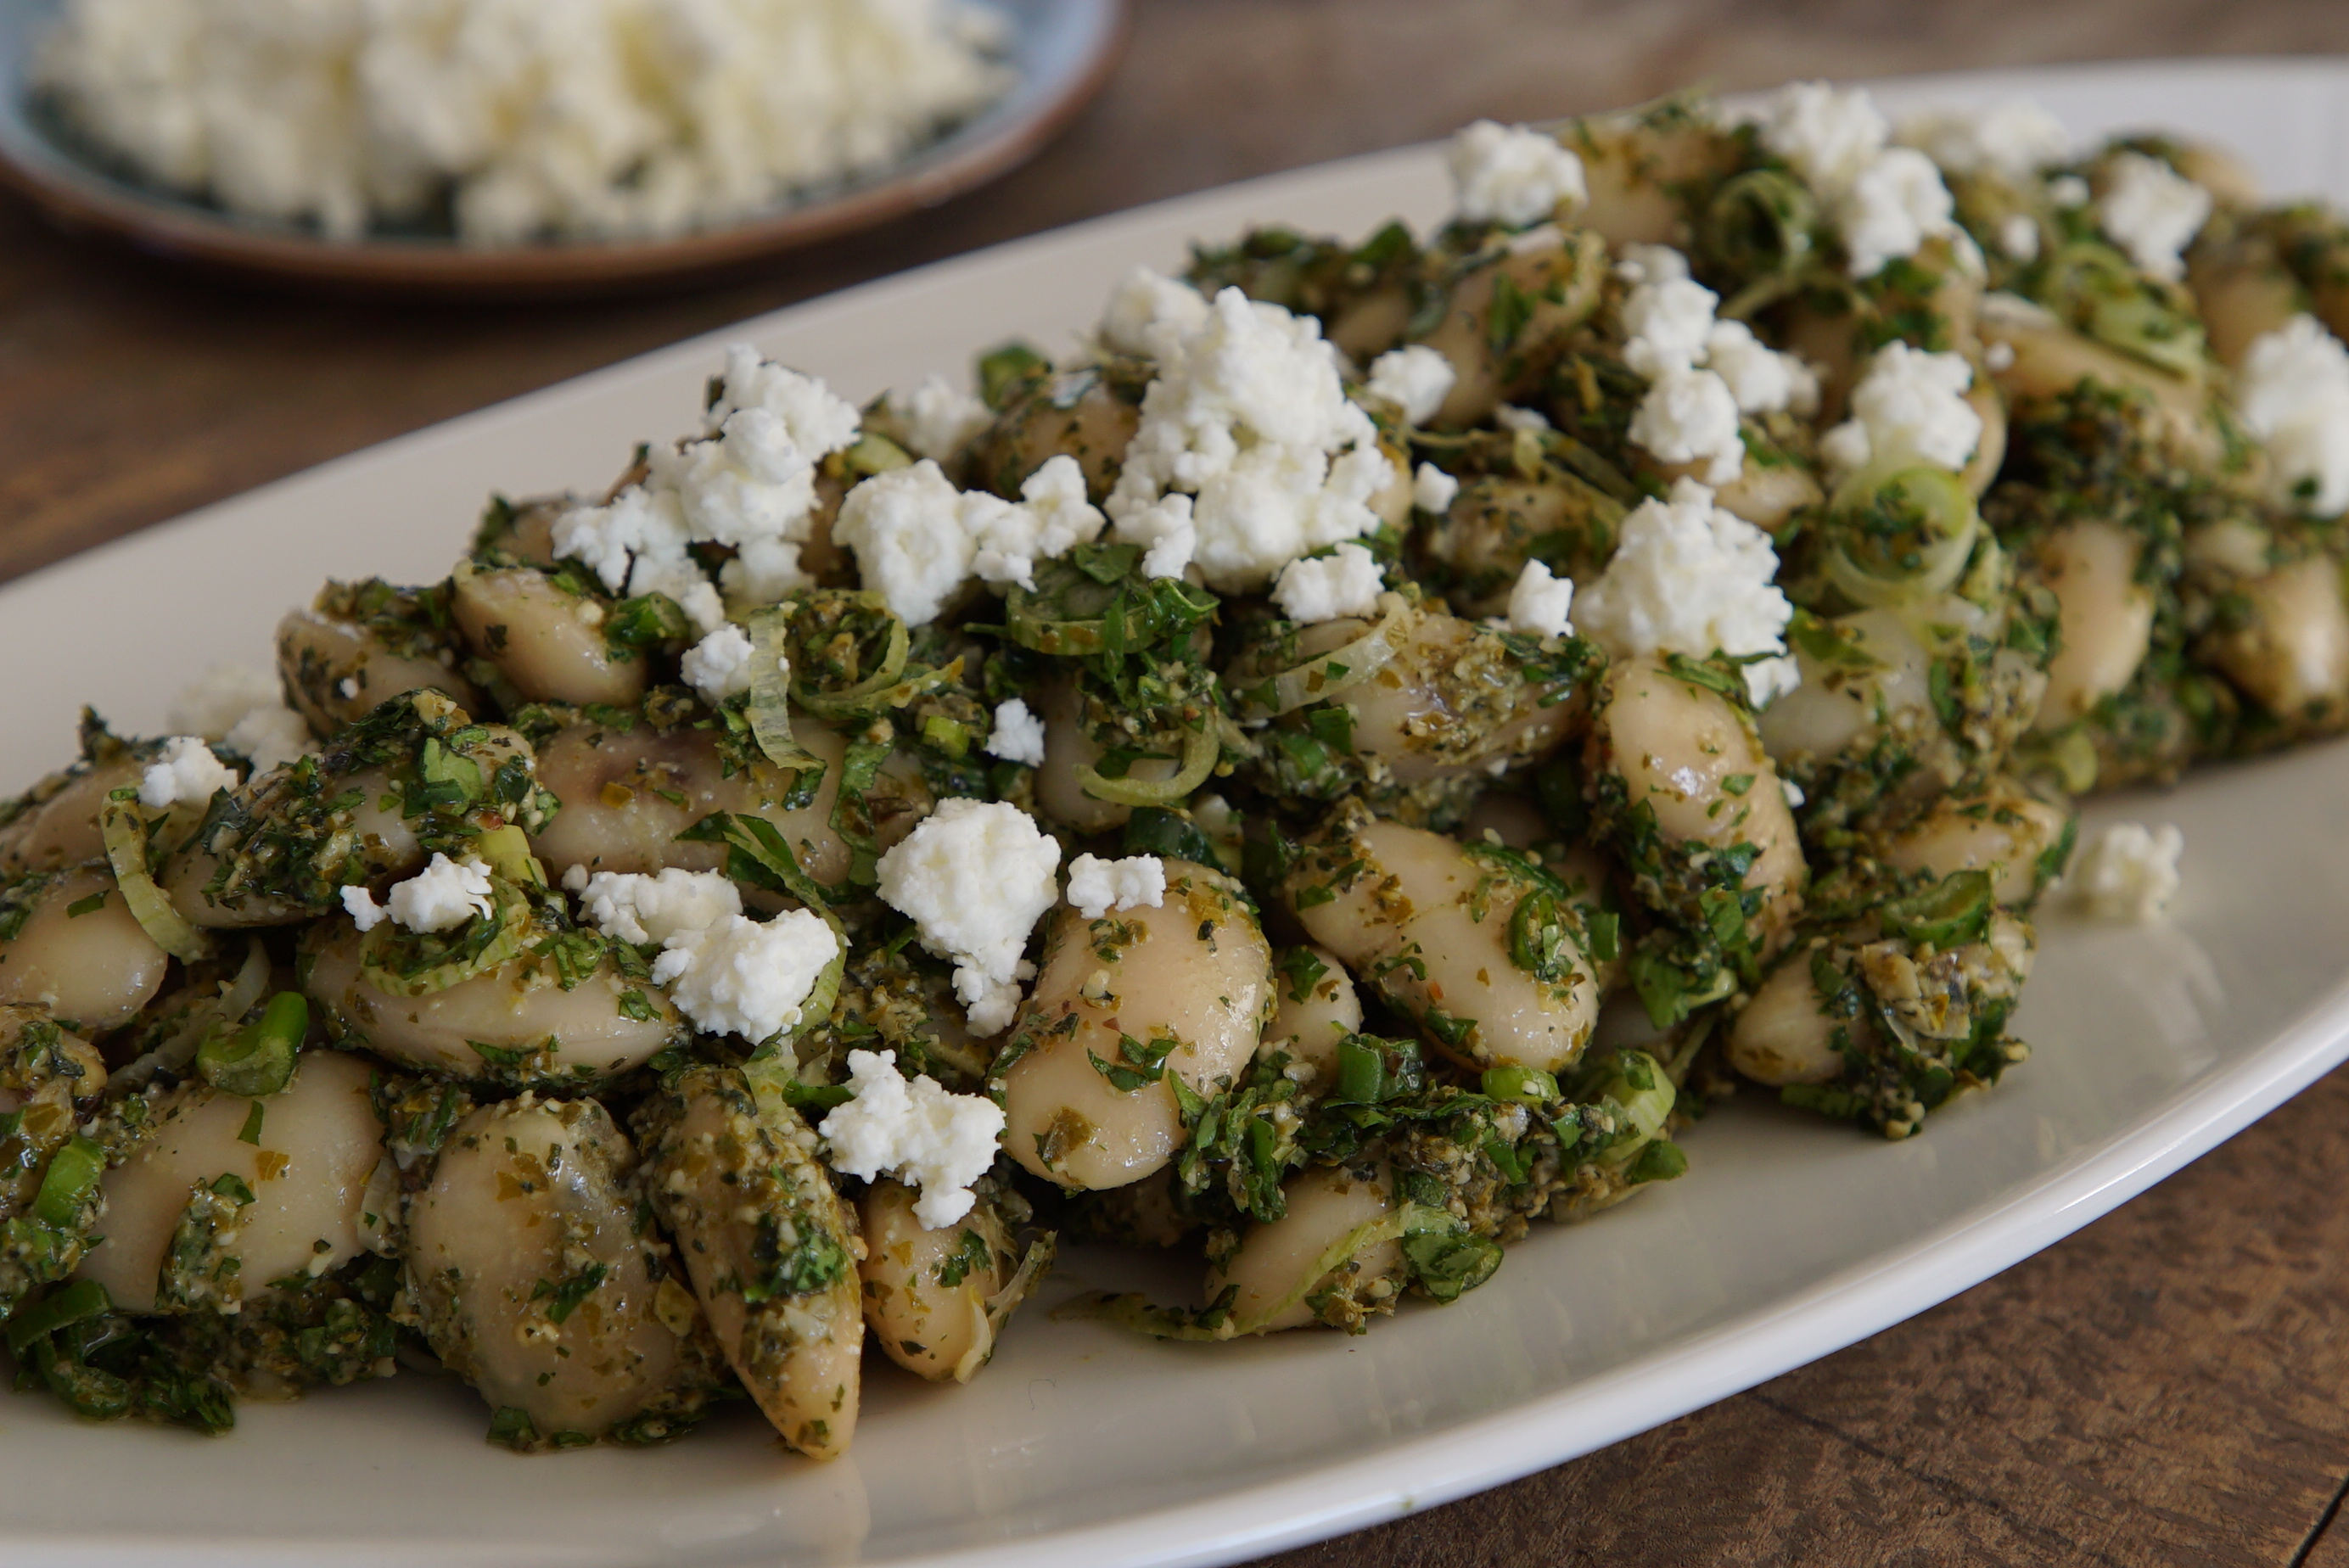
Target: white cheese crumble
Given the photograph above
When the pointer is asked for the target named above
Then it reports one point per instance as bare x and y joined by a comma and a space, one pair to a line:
1512, 175
917, 538
2013, 137
441, 897
975, 876
719, 666
2130, 872
1248, 424
630, 906
747, 481
2293, 392
1510, 417
244, 709
1793, 793
743, 976
1910, 407
1665, 323
1149, 313
2067, 192
1097, 886
1691, 416
1346, 582
2018, 236
1886, 202
365, 913
919, 1133
1539, 602
1415, 378
1761, 379
589, 118
1018, 735
2151, 212
1640, 262
1691, 578
184, 772
941, 420
1432, 489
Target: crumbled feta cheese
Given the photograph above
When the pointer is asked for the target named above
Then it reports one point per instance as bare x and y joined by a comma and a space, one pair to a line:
1097, 886
1540, 603
1052, 518
1690, 578
2067, 192
1414, 379
922, 1135
1326, 587
629, 906
719, 666
1898, 202
1691, 416
1512, 175
1761, 379
743, 976
2018, 236
442, 896
747, 481
1018, 735
2151, 212
184, 772
941, 420
2293, 392
975, 876
1510, 416
1639, 262
2130, 872
604, 119
1150, 312
1165, 526
1794, 794
243, 709
1998, 356
1247, 416
1665, 325
905, 528
2012, 137
1828, 134
1910, 407
365, 913
1432, 489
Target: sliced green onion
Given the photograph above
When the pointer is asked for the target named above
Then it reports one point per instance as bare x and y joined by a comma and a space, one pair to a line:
1951, 913
506, 851
873, 690
124, 831
239, 994
1200, 750
770, 707
1901, 536
67, 1184
1356, 662
257, 1059
75, 1301
1520, 1086
482, 952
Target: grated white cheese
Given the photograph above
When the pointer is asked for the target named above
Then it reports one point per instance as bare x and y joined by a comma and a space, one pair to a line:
2293, 392
1248, 418
590, 118
919, 1133
2013, 137
743, 976
1910, 407
1432, 489
442, 896
1346, 582
1512, 175
719, 666
941, 420
184, 772
1415, 378
2130, 872
1018, 735
1691, 578
1540, 603
975, 876
630, 906
1097, 886
2151, 212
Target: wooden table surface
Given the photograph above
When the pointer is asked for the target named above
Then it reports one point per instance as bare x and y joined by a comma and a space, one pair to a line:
2165, 1387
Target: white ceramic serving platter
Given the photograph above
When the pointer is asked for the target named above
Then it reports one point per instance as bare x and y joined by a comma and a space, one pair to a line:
1081, 1447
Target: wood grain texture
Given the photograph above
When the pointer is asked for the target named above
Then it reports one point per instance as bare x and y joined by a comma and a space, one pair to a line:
2164, 1387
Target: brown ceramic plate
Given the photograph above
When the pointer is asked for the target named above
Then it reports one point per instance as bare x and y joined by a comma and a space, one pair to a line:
1062, 51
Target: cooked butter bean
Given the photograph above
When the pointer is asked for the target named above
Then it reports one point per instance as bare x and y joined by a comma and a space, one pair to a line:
1999, 829
319, 1143
1785, 1035
2104, 616
335, 672
2291, 654
1277, 1267
526, 1262
1194, 971
60, 827
97, 967
1563, 283
1436, 929
549, 642
925, 1292
1311, 1018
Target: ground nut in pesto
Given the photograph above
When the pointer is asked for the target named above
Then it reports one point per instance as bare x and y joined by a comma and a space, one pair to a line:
687, 935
